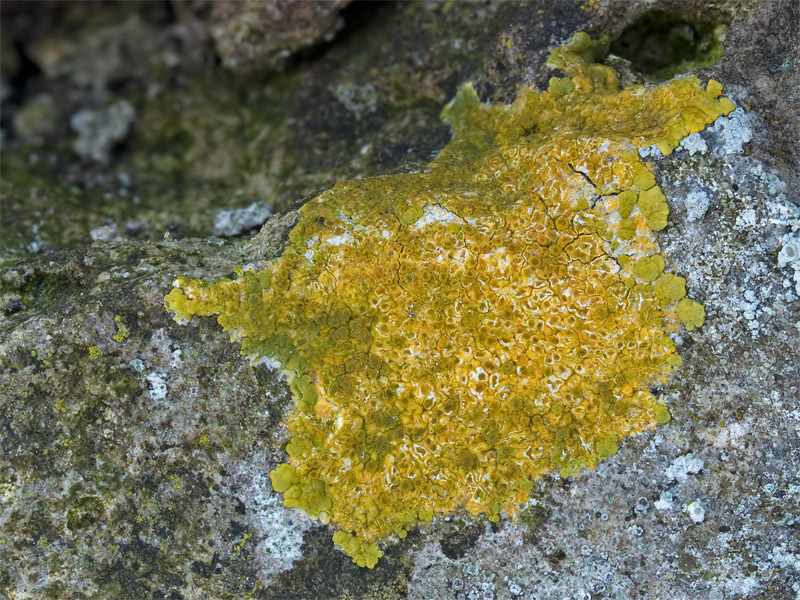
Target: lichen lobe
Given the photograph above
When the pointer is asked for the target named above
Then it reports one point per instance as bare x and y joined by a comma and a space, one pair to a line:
451, 335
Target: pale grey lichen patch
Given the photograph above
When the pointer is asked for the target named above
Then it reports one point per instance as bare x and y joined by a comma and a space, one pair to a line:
694, 143
137, 365
789, 256
230, 223
99, 130
650, 152
360, 100
746, 219
753, 310
503, 564
784, 558
753, 216
696, 511
37, 119
157, 385
729, 438
731, 133
697, 202
579, 552
105, 233
682, 467
277, 530
665, 501
741, 585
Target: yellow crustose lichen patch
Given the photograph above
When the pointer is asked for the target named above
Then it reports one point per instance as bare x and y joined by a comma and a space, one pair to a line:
451, 335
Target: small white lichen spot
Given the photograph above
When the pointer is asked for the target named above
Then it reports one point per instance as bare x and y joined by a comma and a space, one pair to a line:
746, 219
230, 223
683, 466
268, 362
730, 436
175, 358
650, 152
741, 585
696, 511
785, 559
157, 385
697, 203
750, 310
344, 239
664, 502
789, 256
734, 132
278, 531
694, 143
433, 213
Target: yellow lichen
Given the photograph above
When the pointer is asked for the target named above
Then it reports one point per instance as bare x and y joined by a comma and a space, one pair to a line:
627, 200
670, 288
691, 313
648, 268
363, 553
661, 413
95, 353
451, 335
122, 330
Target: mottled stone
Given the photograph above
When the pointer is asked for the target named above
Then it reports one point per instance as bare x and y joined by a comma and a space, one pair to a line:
230, 223
99, 130
262, 36
37, 119
134, 452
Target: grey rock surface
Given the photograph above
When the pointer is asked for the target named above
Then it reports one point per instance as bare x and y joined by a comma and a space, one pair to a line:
230, 223
134, 453
262, 36
101, 129
36, 119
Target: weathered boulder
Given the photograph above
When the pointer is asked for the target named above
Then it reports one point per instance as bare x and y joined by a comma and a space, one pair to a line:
135, 453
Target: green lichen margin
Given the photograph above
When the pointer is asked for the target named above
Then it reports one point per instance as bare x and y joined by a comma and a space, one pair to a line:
449, 336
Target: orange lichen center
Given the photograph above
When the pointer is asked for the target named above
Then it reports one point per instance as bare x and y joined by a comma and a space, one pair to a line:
452, 335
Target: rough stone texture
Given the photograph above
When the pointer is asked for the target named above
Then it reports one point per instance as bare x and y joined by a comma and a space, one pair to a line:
230, 223
100, 130
253, 36
134, 453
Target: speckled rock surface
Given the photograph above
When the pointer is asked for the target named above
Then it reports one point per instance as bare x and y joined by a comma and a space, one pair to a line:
254, 36
134, 453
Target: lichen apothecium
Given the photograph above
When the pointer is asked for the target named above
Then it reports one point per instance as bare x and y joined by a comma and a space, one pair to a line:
451, 335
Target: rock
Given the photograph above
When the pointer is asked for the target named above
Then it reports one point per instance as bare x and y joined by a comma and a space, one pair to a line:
100, 129
358, 99
95, 54
262, 36
9, 58
5, 88
230, 223
37, 119
105, 233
